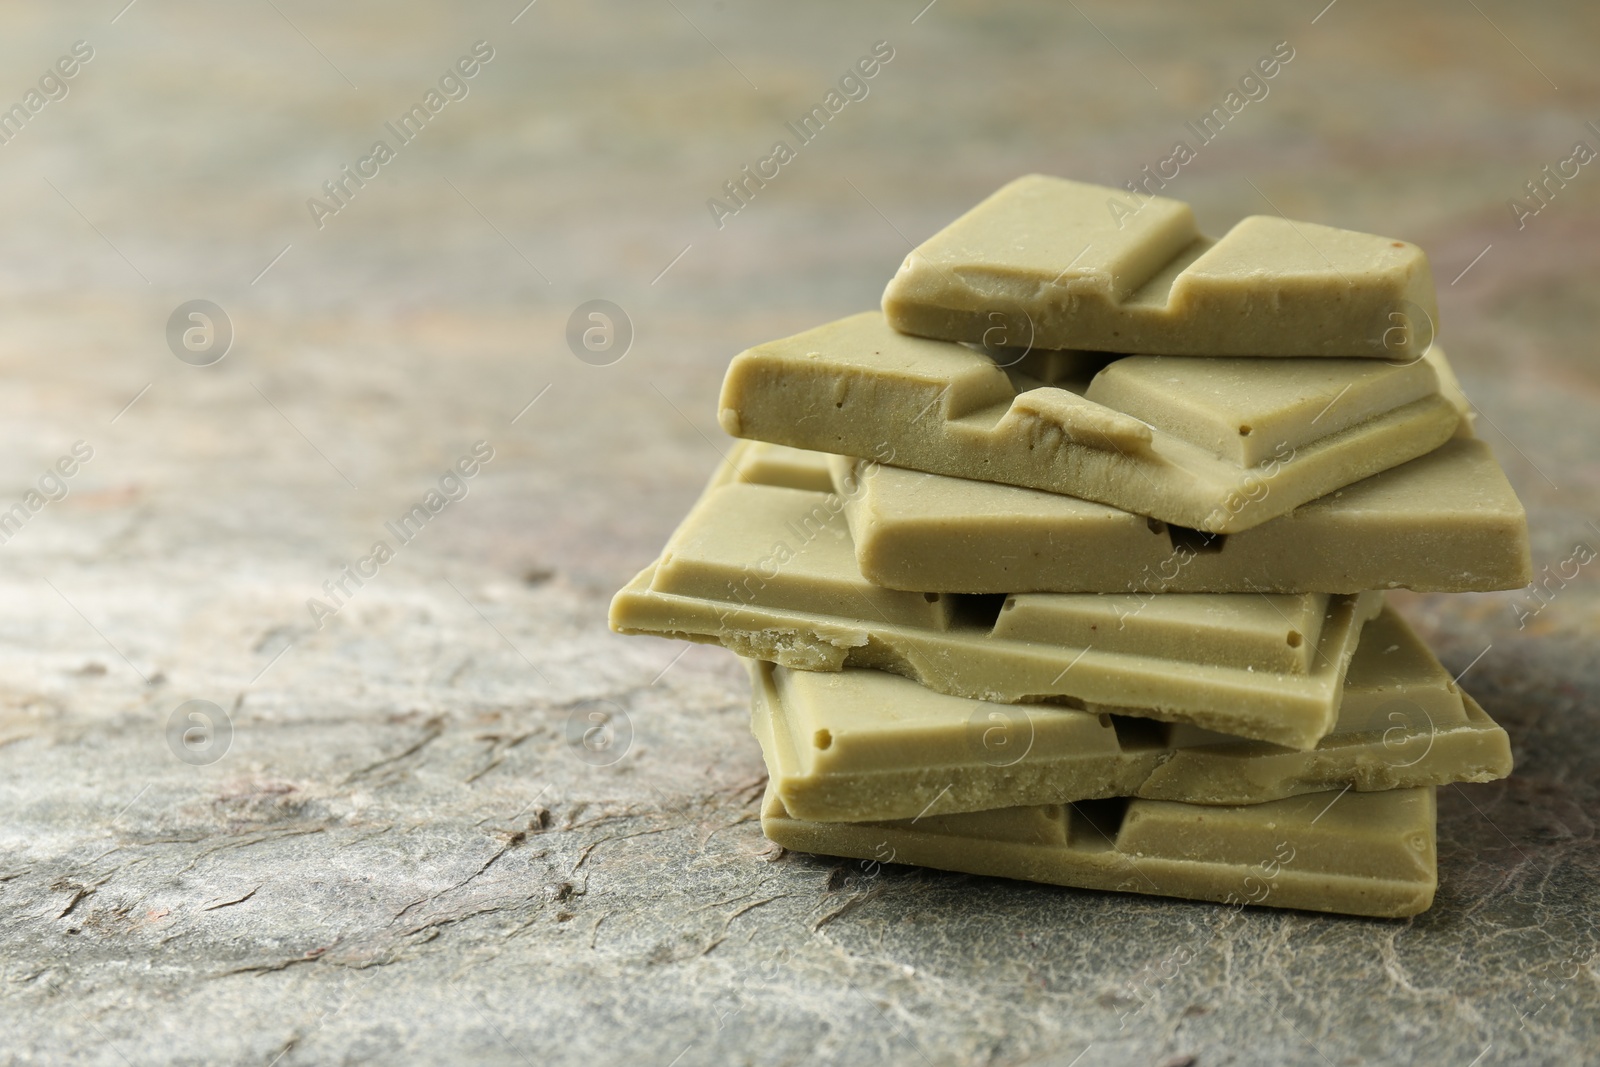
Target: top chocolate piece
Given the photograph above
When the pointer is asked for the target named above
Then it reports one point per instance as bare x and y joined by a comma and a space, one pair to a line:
1050, 263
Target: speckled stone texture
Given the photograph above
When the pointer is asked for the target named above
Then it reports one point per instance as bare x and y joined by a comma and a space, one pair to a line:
407, 854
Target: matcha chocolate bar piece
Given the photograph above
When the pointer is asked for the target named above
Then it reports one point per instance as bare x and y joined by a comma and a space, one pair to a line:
1353, 853
868, 745
1444, 522
1050, 263
770, 573
1214, 444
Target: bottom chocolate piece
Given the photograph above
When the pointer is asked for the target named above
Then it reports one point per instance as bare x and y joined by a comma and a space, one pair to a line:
1352, 853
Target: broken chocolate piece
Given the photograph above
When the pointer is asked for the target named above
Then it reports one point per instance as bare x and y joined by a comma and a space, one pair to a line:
1219, 445
770, 573
1050, 263
869, 745
1353, 853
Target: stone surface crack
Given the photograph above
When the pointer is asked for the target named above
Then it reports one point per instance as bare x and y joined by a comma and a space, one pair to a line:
848, 906
499, 745
583, 856
512, 841
252, 839
229, 903
432, 730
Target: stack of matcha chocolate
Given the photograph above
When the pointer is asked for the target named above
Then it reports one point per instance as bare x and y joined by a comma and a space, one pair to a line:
1068, 565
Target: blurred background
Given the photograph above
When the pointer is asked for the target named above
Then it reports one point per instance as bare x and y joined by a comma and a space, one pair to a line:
387, 847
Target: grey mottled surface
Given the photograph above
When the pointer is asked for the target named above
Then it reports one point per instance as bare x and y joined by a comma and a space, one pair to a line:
401, 857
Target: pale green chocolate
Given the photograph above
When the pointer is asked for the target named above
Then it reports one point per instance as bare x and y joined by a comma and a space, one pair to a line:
1444, 522
861, 745
1053, 263
1368, 854
770, 573
1213, 444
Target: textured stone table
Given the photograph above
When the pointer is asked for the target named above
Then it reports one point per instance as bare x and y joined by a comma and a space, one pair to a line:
389, 849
